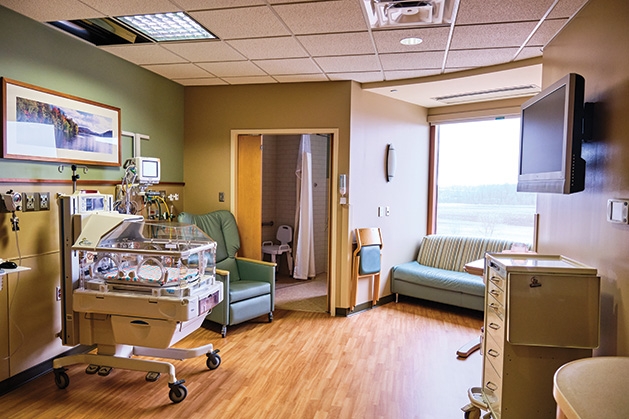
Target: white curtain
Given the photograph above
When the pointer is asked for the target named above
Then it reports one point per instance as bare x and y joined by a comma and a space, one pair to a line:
304, 224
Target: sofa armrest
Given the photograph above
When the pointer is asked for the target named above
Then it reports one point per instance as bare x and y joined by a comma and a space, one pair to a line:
256, 270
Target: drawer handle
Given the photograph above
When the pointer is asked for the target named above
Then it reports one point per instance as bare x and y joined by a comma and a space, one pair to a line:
491, 386
494, 326
495, 293
495, 279
493, 352
494, 307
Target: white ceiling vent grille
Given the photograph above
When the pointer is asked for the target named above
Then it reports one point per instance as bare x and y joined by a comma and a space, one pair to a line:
401, 13
500, 93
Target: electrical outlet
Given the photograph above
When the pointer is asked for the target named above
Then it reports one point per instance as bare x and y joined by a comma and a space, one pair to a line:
42, 199
28, 201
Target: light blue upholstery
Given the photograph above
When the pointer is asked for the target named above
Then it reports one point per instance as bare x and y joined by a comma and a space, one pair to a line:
438, 275
369, 260
248, 285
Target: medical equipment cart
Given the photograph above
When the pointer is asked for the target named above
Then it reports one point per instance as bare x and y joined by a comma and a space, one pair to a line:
541, 312
132, 287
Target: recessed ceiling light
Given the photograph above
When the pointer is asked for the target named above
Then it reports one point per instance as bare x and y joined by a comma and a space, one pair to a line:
411, 41
176, 26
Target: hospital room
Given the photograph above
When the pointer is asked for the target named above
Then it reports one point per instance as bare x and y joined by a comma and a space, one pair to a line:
295, 214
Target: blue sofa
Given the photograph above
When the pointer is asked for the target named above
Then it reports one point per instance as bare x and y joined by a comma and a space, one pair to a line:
438, 275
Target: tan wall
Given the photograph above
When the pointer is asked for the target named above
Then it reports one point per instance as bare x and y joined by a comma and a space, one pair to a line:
595, 45
376, 122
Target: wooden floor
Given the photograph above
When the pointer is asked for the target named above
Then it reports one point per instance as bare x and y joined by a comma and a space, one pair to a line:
395, 361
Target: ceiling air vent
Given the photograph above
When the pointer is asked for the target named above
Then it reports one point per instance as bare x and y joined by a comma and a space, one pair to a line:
400, 13
500, 93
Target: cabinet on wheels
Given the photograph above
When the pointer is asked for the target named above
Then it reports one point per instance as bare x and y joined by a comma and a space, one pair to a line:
541, 311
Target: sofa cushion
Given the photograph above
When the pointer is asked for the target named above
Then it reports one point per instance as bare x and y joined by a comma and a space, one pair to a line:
413, 272
242, 290
453, 252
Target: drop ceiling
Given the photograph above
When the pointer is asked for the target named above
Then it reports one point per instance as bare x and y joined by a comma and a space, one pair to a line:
489, 45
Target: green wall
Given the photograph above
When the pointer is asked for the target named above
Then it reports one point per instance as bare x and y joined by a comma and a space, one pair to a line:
35, 53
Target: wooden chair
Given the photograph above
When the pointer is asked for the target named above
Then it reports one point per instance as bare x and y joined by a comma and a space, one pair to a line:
367, 260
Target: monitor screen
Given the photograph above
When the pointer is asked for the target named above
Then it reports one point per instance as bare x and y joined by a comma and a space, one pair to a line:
150, 168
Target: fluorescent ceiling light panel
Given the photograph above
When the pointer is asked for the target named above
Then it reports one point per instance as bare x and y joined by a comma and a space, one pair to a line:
176, 26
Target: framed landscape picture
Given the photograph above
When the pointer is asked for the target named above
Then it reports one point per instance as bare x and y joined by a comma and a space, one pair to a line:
40, 124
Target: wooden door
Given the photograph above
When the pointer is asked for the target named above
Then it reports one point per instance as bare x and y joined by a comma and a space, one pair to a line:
249, 195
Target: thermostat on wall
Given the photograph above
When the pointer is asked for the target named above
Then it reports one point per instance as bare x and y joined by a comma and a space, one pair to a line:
618, 211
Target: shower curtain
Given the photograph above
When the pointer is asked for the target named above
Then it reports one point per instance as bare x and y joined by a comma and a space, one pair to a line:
304, 221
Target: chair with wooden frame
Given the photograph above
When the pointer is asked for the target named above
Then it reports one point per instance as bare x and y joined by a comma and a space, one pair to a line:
367, 260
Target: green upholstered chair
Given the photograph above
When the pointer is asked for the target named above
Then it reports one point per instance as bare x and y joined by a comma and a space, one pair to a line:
248, 285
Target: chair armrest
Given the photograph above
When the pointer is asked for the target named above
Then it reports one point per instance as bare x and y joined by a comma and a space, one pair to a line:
256, 270
268, 242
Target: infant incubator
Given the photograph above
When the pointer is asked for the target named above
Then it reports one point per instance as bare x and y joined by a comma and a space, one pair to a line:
132, 287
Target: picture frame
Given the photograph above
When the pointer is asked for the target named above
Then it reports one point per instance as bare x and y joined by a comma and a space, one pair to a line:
41, 124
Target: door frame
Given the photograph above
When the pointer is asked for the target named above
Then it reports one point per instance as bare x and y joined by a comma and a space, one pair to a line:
332, 226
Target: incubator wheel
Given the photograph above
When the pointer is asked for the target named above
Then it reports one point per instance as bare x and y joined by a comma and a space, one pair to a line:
213, 360
178, 393
473, 414
61, 379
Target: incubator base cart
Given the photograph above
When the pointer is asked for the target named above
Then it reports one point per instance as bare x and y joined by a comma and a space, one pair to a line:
132, 288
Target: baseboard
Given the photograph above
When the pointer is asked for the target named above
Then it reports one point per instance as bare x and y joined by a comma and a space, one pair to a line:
345, 312
38, 370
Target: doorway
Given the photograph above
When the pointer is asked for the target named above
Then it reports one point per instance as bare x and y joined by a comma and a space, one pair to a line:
279, 206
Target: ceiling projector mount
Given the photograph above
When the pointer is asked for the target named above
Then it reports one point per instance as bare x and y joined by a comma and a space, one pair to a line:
400, 13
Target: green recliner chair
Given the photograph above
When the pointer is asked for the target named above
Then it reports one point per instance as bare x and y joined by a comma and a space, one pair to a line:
248, 285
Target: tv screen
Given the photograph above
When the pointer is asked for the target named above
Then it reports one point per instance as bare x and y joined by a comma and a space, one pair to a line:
550, 139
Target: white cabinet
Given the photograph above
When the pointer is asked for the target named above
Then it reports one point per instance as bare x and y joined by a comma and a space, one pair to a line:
541, 312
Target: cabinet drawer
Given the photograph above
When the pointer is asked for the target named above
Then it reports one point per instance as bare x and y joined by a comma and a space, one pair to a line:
495, 278
496, 292
494, 354
494, 306
492, 389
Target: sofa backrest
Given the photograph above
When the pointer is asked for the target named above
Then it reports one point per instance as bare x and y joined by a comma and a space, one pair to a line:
453, 252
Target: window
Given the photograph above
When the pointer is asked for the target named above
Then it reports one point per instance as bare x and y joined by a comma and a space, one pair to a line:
476, 177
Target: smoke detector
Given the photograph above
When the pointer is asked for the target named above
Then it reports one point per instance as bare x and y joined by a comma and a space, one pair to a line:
402, 13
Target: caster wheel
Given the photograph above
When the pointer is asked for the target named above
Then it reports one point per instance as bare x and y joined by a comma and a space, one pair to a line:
472, 414
213, 360
178, 393
61, 379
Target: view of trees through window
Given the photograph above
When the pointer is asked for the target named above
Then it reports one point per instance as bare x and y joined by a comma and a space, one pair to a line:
477, 172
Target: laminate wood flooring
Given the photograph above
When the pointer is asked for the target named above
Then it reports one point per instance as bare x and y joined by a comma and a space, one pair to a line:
395, 361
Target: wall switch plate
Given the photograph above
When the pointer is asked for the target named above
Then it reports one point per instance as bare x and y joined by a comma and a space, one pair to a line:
221, 197
42, 200
28, 201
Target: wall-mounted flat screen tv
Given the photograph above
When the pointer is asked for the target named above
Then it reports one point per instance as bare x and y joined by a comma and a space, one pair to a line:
551, 133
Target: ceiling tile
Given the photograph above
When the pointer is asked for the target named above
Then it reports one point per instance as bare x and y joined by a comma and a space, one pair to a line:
480, 58
178, 71
323, 17
486, 11
410, 74
352, 63
529, 52
289, 66
366, 77
566, 8
433, 39
232, 69
250, 80
144, 54
131, 7
50, 10
350, 43
207, 51
546, 31
211, 81
412, 61
216, 4
250, 22
298, 78
491, 36
259, 48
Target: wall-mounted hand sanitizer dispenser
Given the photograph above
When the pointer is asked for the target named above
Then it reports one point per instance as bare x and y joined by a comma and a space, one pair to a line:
618, 211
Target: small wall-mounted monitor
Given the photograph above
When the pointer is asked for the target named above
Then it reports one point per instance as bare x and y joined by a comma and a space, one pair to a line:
147, 169
551, 133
